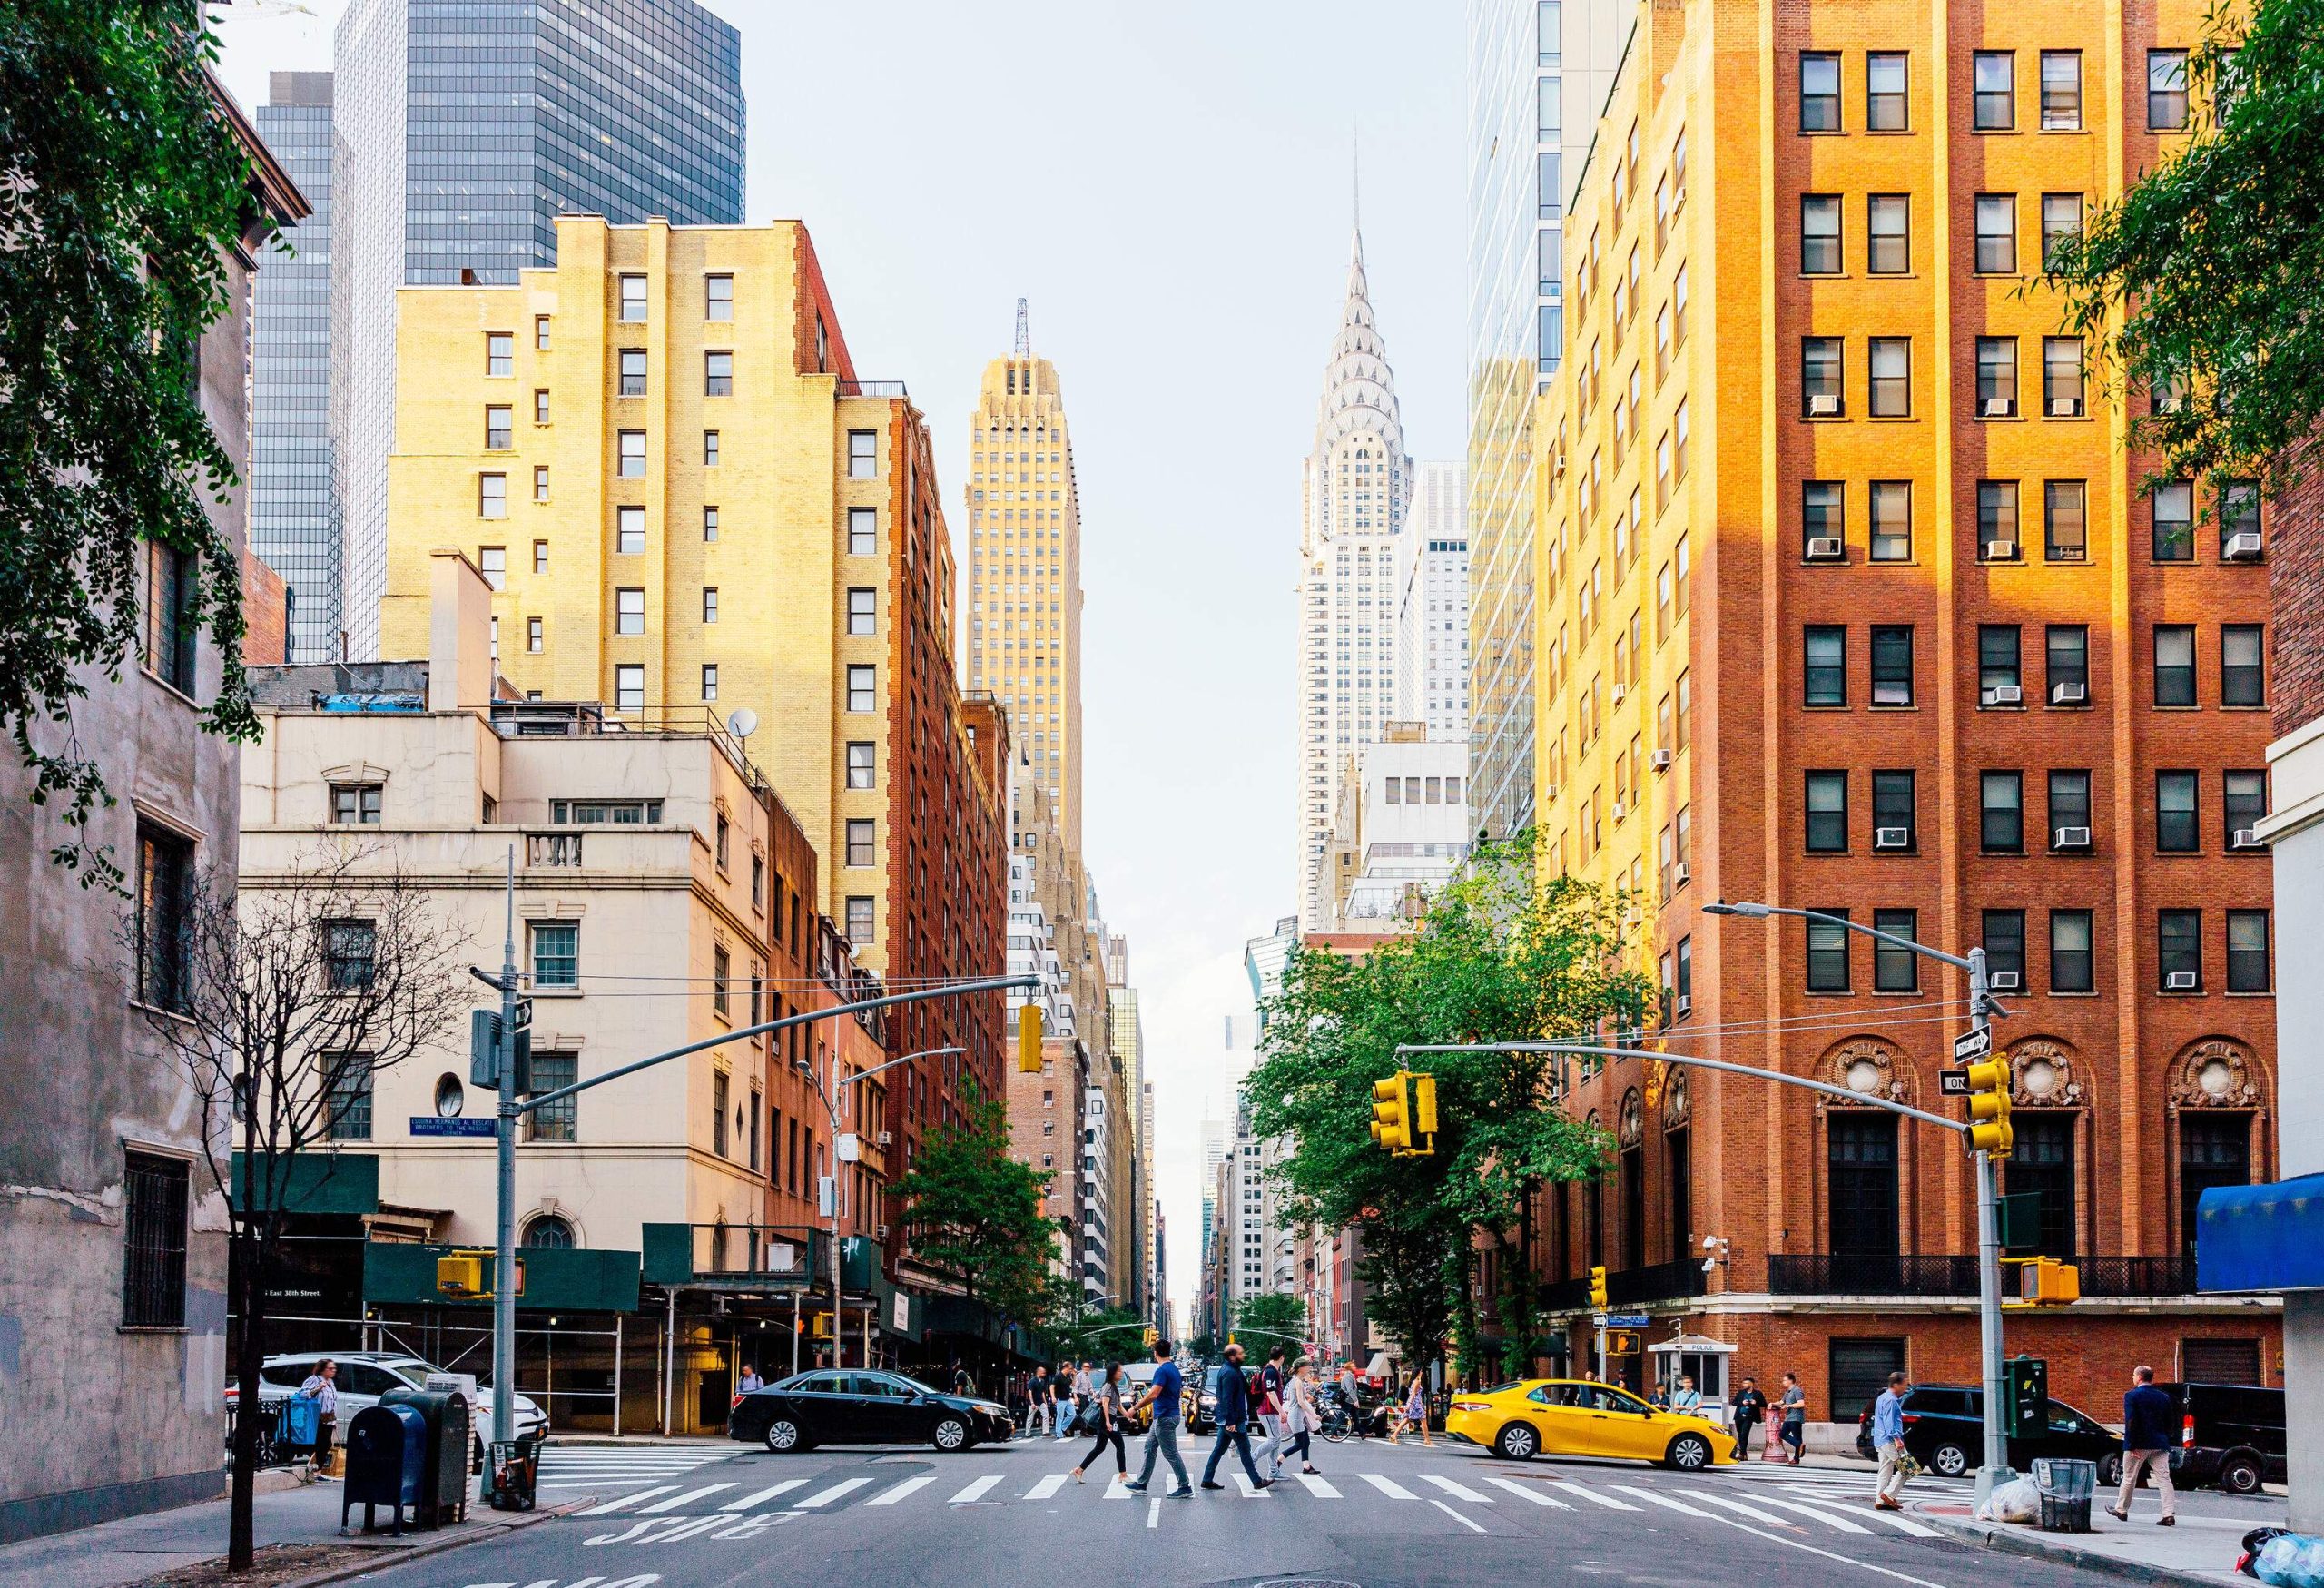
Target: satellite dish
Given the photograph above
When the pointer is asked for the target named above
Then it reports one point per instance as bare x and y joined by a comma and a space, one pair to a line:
742, 722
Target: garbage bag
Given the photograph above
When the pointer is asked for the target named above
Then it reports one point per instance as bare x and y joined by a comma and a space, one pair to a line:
2019, 1500
2273, 1564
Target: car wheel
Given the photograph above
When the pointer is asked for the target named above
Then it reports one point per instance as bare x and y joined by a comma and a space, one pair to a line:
2239, 1474
1948, 1460
1690, 1453
951, 1433
2110, 1470
783, 1436
1518, 1442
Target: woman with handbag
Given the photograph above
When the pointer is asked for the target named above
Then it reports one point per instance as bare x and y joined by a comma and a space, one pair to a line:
1300, 1416
1103, 1416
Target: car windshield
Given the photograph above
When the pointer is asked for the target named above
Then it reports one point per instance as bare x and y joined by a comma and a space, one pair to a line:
914, 1384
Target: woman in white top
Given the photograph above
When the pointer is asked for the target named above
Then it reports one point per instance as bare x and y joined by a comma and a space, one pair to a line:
1300, 1417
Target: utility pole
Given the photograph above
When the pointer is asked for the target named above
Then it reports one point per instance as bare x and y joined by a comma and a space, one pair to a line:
1996, 1469
504, 1283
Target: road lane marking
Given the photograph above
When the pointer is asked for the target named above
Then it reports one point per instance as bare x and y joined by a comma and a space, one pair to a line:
628, 1500
1782, 1539
1839, 1523
1874, 1513
1665, 1499
752, 1502
1046, 1486
1317, 1486
1568, 1487
1394, 1490
1154, 1513
752, 1525
699, 1525
895, 1492
1458, 1491
977, 1489
823, 1497
1530, 1492
1250, 1490
1456, 1517
1740, 1509
688, 1498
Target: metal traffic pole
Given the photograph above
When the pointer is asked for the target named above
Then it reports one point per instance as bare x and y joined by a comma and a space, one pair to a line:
504, 1285
1996, 1470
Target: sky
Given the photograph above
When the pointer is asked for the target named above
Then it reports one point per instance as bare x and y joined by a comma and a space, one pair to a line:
1171, 188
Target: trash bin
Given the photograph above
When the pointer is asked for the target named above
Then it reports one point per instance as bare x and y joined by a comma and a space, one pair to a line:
387, 1456
444, 1475
516, 1469
2065, 1487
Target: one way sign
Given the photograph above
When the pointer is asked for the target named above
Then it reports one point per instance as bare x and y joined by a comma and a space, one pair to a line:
1971, 1046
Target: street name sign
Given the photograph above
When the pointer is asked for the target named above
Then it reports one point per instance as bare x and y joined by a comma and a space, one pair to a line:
436, 1125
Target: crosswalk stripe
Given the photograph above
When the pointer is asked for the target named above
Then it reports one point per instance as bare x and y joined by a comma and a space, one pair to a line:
889, 1496
1458, 1491
1046, 1486
1464, 1521
1885, 1518
1250, 1491
688, 1498
823, 1497
628, 1500
1527, 1492
1393, 1490
1570, 1487
1120, 1488
1664, 1500
1740, 1508
977, 1490
749, 1501
1317, 1486
1840, 1523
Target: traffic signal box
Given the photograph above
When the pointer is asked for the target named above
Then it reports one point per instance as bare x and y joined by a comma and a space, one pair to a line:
1989, 1127
1403, 1114
1029, 1037
1150, 1336
460, 1275
1597, 1289
1621, 1342
2025, 1396
2047, 1282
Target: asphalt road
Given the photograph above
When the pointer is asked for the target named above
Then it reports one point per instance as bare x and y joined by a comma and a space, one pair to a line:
1378, 1517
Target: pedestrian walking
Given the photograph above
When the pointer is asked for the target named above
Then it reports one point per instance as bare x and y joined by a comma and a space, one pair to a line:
1687, 1399
1167, 1396
1061, 1407
1896, 1464
1300, 1416
1751, 1410
2146, 1447
1270, 1410
750, 1383
1792, 1407
964, 1383
322, 1387
1415, 1413
1235, 1413
1106, 1409
1037, 1401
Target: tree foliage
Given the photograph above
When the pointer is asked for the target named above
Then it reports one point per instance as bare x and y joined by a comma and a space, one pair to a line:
122, 191
1503, 954
1272, 1316
975, 1213
2209, 271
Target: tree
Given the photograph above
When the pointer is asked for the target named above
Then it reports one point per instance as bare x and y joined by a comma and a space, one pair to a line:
124, 191
2207, 276
975, 1213
1502, 953
1275, 1317
291, 1002
1106, 1333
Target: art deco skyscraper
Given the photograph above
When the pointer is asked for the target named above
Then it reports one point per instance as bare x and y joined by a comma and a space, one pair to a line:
1025, 569
1359, 485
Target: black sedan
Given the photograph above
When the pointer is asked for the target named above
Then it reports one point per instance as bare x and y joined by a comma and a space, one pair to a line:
857, 1407
1945, 1431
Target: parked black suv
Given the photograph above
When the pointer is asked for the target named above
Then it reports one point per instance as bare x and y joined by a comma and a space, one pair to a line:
1944, 1432
2232, 1435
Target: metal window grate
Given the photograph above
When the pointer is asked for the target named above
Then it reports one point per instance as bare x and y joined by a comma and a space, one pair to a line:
152, 1273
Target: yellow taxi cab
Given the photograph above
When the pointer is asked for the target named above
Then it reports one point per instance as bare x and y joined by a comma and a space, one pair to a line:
1572, 1417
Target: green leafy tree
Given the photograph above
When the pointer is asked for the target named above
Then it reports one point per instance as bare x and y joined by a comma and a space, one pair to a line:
2207, 276
1271, 1318
1102, 1334
123, 190
975, 1213
1502, 953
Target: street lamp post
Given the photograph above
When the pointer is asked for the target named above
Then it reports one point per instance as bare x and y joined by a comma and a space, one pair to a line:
1996, 1469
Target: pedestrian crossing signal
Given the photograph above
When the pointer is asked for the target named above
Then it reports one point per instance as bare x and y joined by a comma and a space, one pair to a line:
460, 1276
1597, 1289
1029, 1037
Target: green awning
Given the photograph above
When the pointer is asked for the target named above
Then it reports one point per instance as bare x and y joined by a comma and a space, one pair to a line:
404, 1274
321, 1182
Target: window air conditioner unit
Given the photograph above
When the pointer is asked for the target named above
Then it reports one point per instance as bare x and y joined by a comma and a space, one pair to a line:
2003, 981
2179, 982
2070, 838
1823, 404
2066, 407
1621, 692
2001, 551
882, 1234
1621, 810
1827, 548
1685, 1004
2245, 838
1892, 838
2069, 694
1681, 874
1549, 794
2242, 547
2004, 695
887, 1138
1999, 408
1661, 761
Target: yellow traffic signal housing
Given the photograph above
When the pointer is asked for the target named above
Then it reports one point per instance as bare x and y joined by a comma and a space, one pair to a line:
1989, 1127
1029, 1037
1598, 1288
1392, 1113
1621, 1343
820, 1325
1150, 1336
1423, 1127
460, 1275
2047, 1282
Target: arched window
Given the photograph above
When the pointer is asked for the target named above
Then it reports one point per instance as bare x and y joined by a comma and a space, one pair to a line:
551, 1232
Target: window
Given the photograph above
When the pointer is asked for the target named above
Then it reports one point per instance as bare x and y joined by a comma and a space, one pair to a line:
1828, 813
356, 804
2069, 664
2245, 802
859, 920
2062, 382
2004, 941
556, 1122
718, 373
2166, 90
1993, 107
2071, 961
1820, 377
1892, 377
556, 953
540, 333
710, 524
2214, 1150
863, 455
1819, 92
1889, 235
863, 764
718, 296
629, 530
173, 629
2175, 664
501, 427
1827, 655
2239, 514
549, 1232
1996, 234
1827, 955
492, 562
862, 531
2001, 807
1820, 234
1998, 675
2177, 820
2243, 673
1997, 520
862, 611
1894, 968
540, 494
1895, 821
2178, 949
710, 449
2060, 91
862, 689
719, 1094
632, 372
500, 352
1996, 376
632, 298
347, 1084
1859, 1369
491, 495
722, 965
1892, 520
1820, 510
1892, 664
2174, 507
154, 1203
860, 843
629, 610
2065, 533
2060, 220
709, 681
164, 893
2247, 951
710, 603
1683, 975
629, 686
2069, 809
633, 455
1883, 91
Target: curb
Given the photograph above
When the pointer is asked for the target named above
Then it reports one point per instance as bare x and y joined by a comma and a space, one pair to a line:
2011, 1540
391, 1559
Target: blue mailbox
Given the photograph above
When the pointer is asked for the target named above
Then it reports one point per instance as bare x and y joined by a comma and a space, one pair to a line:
387, 1456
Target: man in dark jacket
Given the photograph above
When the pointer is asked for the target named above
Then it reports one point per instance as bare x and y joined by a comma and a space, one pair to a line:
1750, 1409
1234, 1411
2146, 1446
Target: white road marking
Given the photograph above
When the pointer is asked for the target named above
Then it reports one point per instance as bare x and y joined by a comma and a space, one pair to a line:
888, 1497
1250, 1490
752, 1502
977, 1489
1153, 1513
1394, 1490
1740, 1509
688, 1498
628, 1500
1458, 1491
1046, 1486
1665, 1499
1118, 1488
1570, 1487
687, 1529
1317, 1485
1530, 1492
1839, 1523
1874, 1513
752, 1525
823, 1497
1456, 1517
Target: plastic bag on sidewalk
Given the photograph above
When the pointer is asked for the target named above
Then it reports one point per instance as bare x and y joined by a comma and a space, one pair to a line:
2284, 1560
2016, 1501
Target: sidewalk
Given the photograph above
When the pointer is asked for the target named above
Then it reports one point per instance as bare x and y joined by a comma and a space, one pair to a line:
2200, 1550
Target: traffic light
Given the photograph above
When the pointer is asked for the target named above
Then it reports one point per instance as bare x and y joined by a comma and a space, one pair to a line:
1621, 1343
2025, 1396
1150, 1336
460, 1275
1392, 1122
1989, 1128
1029, 1037
2047, 1282
820, 1326
1424, 1113
1597, 1289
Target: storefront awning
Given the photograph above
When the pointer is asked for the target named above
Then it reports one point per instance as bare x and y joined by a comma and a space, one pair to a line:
2266, 1237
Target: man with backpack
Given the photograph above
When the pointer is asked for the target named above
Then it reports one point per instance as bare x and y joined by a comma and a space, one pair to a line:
1269, 1407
